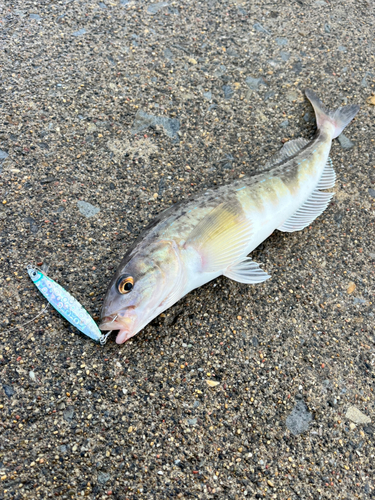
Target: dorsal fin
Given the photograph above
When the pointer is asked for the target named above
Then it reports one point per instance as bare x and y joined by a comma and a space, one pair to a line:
309, 211
289, 149
314, 205
328, 178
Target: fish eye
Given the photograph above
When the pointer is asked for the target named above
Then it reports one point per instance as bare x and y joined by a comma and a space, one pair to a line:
125, 284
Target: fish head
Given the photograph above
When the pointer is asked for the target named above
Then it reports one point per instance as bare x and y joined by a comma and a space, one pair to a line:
144, 285
34, 274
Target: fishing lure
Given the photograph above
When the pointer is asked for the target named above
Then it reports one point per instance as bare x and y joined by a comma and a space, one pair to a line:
66, 305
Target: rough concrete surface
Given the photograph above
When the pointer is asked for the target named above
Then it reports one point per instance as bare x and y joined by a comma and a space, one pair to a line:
131, 106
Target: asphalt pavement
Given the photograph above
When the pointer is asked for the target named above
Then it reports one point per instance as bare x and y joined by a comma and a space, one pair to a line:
111, 112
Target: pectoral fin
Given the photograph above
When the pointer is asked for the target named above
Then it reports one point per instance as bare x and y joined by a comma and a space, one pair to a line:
246, 271
221, 237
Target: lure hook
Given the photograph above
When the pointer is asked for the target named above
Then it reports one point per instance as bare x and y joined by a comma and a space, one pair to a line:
104, 338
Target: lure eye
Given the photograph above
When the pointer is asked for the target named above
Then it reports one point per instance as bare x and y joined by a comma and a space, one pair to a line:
125, 284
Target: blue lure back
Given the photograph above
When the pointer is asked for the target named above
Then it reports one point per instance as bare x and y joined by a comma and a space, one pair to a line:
66, 305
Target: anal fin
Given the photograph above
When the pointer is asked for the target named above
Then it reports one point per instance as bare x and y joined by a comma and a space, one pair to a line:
309, 211
246, 271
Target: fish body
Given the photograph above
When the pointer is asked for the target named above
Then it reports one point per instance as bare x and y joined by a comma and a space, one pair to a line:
212, 233
66, 305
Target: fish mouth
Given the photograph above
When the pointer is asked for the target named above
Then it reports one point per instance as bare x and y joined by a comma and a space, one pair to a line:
125, 327
110, 323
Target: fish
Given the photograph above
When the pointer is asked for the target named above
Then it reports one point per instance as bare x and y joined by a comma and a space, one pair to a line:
66, 305
213, 233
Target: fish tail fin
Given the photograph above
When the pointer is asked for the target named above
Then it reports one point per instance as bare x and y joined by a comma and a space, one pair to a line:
339, 118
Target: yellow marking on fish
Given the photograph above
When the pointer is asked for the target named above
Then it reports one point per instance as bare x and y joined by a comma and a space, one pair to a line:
258, 197
220, 238
308, 169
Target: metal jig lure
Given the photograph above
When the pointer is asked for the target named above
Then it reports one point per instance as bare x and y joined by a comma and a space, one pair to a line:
66, 305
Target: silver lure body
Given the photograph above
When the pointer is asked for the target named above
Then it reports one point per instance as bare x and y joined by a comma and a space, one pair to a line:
66, 305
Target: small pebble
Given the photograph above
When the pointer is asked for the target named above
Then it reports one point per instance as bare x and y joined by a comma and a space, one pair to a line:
261, 29
345, 142
155, 7
298, 421
87, 209
351, 287
80, 32
254, 83
356, 416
